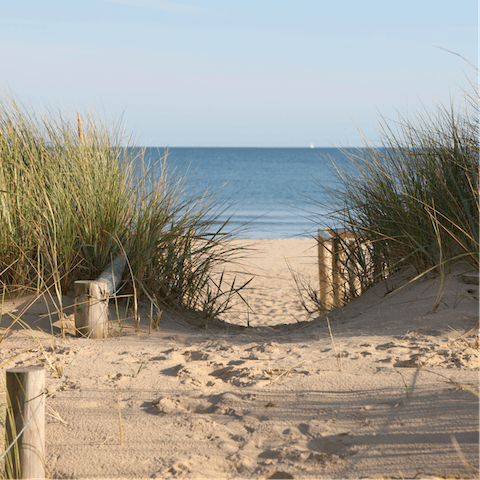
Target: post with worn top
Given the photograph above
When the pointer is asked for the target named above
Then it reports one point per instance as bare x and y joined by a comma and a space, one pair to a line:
91, 309
91, 300
26, 409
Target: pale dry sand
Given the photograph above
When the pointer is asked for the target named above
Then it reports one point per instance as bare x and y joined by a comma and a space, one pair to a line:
271, 295
269, 401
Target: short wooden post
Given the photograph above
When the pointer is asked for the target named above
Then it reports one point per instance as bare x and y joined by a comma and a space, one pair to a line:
337, 283
324, 285
350, 281
26, 401
91, 308
91, 300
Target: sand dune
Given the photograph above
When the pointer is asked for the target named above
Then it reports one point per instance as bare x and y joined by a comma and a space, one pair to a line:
392, 396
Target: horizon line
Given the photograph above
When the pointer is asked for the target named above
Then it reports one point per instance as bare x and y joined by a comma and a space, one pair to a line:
225, 146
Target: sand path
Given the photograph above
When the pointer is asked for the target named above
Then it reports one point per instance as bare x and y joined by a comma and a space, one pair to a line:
392, 398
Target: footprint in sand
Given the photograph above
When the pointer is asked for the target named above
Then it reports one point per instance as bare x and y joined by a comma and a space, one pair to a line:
292, 433
172, 371
315, 428
195, 356
333, 446
387, 346
270, 347
176, 405
279, 474
228, 404
236, 362
169, 405
386, 360
235, 373
294, 453
423, 352
321, 440
222, 404
445, 358
244, 376
159, 358
68, 385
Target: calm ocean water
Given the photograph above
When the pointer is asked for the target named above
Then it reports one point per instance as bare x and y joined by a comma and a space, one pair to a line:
273, 185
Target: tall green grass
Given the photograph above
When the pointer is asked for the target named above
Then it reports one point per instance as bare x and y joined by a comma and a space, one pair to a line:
72, 198
412, 200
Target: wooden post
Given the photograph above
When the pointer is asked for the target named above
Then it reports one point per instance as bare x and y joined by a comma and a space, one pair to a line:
91, 308
349, 281
323, 277
26, 399
91, 300
337, 289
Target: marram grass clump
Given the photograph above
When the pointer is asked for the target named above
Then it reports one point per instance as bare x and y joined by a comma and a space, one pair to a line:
73, 197
412, 201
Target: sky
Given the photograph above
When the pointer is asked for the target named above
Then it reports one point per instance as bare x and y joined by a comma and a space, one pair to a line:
249, 73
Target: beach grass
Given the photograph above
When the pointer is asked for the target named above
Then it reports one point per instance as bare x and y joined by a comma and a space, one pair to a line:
73, 198
410, 202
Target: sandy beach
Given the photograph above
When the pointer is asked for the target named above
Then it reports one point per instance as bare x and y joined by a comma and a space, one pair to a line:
392, 393
272, 295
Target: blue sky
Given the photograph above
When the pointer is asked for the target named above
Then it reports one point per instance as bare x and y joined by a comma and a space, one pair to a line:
239, 73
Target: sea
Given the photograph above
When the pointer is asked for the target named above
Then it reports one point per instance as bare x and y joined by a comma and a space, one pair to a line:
263, 192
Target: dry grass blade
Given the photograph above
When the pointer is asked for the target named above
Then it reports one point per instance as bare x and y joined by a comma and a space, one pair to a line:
309, 296
470, 468
49, 410
459, 385
287, 371
460, 337
404, 383
337, 355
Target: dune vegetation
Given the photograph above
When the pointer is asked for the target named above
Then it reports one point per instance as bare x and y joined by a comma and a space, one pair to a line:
73, 197
411, 200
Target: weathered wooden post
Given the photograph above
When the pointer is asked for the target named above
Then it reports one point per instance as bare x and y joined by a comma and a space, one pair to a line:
26, 409
91, 309
337, 289
349, 278
323, 277
91, 300
339, 249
